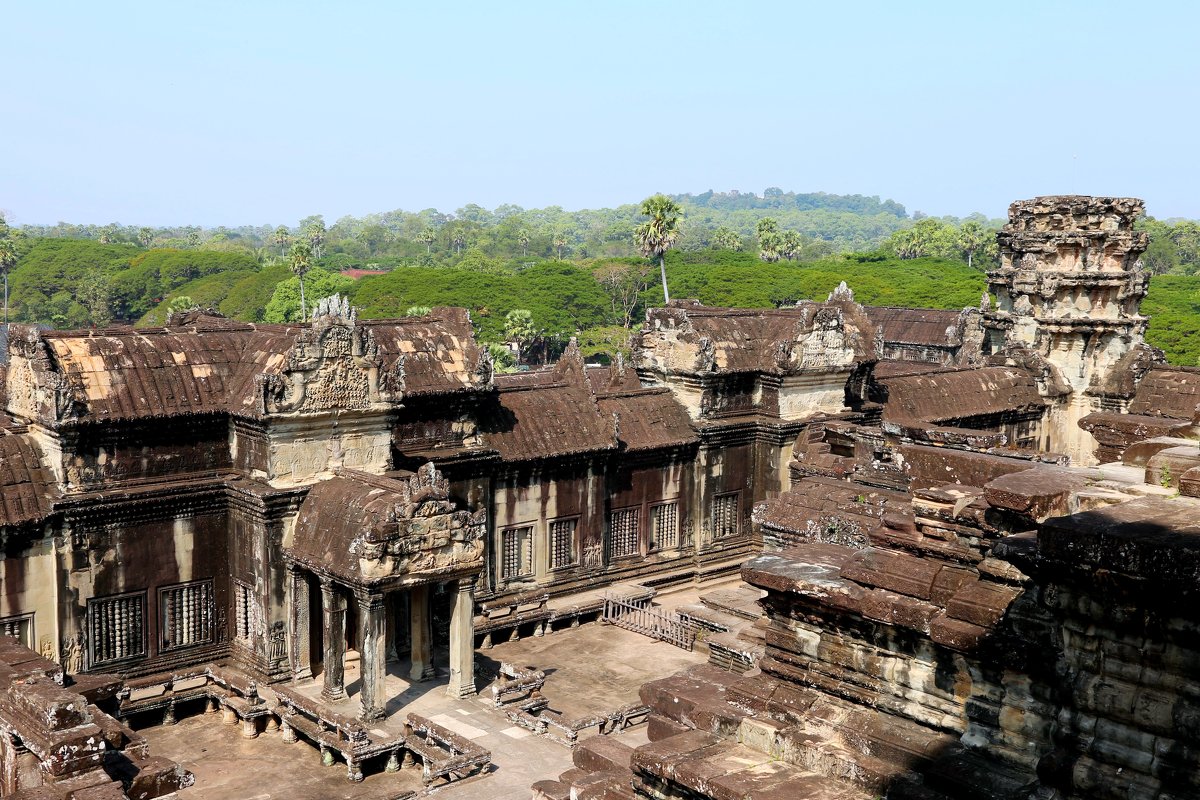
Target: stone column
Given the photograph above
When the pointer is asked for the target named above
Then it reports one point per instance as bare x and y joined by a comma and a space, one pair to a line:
418, 634
389, 610
301, 633
372, 650
334, 606
462, 640
402, 621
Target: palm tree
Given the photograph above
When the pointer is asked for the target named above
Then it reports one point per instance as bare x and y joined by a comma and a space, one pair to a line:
193, 238
560, 242
726, 239
427, 236
8, 260
145, 236
281, 237
971, 238
767, 231
458, 239
523, 240
519, 330
657, 235
315, 234
301, 255
790, 245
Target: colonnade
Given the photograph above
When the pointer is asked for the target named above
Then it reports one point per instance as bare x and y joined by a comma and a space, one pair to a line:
375, 637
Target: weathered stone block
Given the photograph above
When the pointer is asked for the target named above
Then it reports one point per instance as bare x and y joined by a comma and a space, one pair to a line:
1168, 465
982, 603
659, 727
956, 634
601, 754
899, 572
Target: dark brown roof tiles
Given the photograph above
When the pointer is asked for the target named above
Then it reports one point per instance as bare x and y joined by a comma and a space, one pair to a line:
940, 397
1168, 392
122, 373
27, 488
527, 424
923, 326
648, 419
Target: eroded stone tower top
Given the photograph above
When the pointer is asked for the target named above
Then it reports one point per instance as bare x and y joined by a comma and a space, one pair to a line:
1070, 260
1072, 232
1068, 292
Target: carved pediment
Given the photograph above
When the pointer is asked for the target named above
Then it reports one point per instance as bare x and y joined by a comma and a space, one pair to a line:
334, 364
365, 528
36, 385
829, 337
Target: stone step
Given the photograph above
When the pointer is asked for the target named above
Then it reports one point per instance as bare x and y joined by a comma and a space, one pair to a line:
703, 617
972, 775
157, 777
835, 737
602, 753
739, 601
696, 698
736, 650
698, 764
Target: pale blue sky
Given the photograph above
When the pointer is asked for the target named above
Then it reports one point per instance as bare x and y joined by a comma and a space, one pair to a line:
230, 113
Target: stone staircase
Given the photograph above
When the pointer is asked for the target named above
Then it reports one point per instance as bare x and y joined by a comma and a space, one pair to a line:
711, 730
726, 622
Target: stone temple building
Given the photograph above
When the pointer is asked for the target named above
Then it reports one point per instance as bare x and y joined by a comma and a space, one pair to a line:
974, 531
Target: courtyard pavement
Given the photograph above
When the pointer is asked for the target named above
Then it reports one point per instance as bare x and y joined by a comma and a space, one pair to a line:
591, 668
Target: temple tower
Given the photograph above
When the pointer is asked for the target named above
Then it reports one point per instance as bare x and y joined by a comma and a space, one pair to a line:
1067, 295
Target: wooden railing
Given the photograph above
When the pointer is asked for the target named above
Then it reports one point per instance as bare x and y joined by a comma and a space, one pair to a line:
641, 617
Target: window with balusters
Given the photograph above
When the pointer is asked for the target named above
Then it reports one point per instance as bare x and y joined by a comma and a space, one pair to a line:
562, 542
623, 532
726, 519
186, 615
116, 628
243, 611
19, 627
664, 526
516, 552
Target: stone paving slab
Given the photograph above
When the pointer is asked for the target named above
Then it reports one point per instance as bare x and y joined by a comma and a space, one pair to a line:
593, 668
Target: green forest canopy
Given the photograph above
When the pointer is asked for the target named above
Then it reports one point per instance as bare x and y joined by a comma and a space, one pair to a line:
566, 299
557, 264
824, 224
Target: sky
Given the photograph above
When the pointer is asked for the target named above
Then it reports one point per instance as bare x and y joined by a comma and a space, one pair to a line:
218, 113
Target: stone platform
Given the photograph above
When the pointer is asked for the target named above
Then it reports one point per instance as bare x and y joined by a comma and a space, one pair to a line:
589, 669
269, 768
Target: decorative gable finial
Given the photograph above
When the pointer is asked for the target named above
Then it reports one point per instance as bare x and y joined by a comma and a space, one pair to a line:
334, 308
841, 293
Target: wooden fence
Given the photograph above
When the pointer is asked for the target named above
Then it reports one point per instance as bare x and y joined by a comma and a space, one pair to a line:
640, 617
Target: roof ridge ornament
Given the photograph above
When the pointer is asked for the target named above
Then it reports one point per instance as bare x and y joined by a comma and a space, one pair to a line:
333, 309
843, 293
